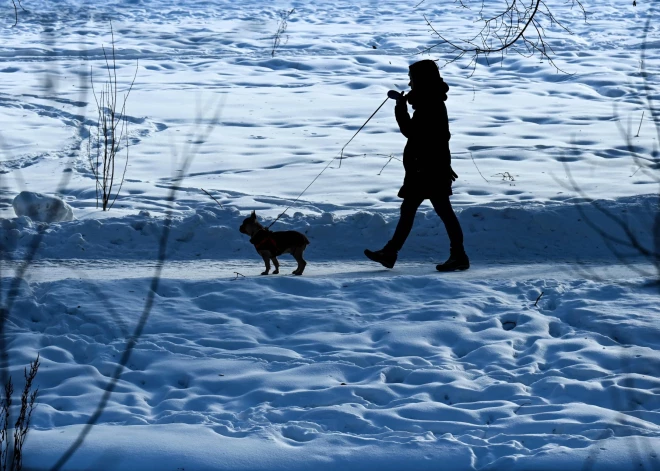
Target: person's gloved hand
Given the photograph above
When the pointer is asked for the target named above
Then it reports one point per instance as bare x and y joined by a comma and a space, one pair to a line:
453, 174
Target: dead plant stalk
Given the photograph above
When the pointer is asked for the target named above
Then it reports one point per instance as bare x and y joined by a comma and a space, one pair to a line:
111, 130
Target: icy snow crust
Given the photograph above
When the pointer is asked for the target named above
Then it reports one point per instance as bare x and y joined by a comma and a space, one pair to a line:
545, 355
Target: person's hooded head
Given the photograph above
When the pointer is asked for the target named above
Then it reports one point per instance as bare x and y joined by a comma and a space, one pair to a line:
426, 84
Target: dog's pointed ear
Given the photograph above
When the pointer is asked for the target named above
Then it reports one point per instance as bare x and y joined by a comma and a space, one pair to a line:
253, 215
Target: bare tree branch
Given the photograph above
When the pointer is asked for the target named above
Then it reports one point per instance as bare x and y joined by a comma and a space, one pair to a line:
517, 28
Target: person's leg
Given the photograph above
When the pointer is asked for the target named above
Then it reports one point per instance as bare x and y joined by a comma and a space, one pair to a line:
443, 207
387, 255
409, 208
458, 259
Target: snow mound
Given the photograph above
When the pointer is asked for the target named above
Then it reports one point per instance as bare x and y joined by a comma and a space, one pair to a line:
530, 232
42, 208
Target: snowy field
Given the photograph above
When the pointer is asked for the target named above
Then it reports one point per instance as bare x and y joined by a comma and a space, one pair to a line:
151, 321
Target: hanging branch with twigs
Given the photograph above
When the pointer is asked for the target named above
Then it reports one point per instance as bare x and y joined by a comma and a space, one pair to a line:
519, 27
111, 130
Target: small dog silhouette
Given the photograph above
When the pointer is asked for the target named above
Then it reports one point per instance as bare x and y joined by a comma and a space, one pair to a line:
270, 244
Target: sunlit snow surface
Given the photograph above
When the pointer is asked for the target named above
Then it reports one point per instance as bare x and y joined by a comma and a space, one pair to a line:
545, 355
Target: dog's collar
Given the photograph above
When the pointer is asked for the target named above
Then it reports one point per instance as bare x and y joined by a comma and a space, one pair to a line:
259, 241
256, 238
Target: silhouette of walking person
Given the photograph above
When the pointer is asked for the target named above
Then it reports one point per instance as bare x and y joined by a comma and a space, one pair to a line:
427, 164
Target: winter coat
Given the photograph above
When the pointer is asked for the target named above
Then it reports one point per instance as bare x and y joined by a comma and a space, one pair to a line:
426, 156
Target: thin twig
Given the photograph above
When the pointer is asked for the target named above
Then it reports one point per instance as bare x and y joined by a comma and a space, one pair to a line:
385, 156
212, 197
475, 164
381, 170
537, 299
521, 406
505, 176
16, 11
640, 124
281, 28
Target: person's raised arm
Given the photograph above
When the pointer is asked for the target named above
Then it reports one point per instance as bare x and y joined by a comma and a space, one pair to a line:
402, 117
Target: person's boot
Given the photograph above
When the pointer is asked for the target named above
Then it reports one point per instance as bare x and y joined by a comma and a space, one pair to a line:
458, 260
385, 257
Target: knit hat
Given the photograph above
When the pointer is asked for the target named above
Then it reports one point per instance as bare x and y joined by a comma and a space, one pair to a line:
426, 78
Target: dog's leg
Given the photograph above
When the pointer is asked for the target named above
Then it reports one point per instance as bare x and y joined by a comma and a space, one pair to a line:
266, 256
298, 255
277, 265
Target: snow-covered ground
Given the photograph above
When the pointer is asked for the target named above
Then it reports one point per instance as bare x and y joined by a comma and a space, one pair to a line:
545, 355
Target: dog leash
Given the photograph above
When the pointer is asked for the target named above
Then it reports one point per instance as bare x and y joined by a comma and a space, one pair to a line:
392, 94
341, 156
